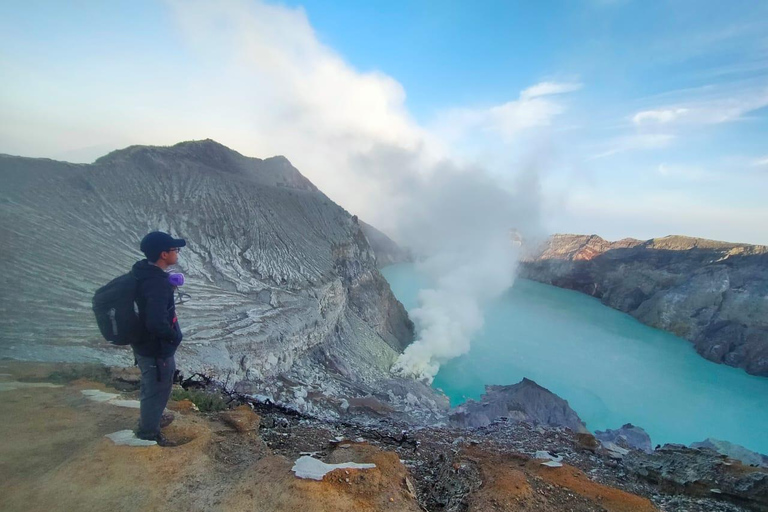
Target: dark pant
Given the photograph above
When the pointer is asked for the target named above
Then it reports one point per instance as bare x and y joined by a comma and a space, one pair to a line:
156, 384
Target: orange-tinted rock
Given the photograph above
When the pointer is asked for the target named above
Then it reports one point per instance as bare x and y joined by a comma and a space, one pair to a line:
576, 481
182, 406
242, 419
587, 442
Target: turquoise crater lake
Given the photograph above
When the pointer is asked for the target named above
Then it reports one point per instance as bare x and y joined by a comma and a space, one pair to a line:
611, 368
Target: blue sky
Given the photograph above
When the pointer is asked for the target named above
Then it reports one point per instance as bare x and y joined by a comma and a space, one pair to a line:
652, 119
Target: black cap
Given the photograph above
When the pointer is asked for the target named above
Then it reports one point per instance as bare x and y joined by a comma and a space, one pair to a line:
156, 242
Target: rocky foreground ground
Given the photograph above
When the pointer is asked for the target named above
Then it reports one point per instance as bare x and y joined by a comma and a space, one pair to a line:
55, 456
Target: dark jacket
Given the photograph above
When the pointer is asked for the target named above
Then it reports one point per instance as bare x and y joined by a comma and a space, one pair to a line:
161, 334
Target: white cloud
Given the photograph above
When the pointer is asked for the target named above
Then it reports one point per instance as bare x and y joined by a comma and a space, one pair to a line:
634, 142
760, 162
658, 116
279, 90
710, 108
507, 120
549, 88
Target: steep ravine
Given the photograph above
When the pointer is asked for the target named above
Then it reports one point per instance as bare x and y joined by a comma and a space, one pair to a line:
714, 294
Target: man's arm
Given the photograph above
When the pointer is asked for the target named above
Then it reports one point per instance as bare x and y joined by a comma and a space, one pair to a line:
158, 295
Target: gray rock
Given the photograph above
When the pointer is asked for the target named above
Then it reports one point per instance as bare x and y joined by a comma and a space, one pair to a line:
678, 469
628, 436
525, 401
711, 293
284, 285
733, 451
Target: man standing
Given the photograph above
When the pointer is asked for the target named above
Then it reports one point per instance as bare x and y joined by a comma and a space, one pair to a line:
160, 331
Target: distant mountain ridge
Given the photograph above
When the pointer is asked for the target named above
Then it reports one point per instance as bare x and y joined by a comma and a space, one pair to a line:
586, 247
712, 293
283, 281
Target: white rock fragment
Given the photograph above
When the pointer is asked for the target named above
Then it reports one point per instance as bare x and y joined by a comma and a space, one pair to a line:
542, 454
615, 451
9, 386
307, 467
128, 438
99, 396
131, 404
110, 398
552, 464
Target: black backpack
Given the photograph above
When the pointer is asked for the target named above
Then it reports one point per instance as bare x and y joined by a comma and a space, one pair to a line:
114, 305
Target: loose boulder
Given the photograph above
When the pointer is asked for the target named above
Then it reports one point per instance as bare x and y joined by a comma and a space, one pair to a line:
628, 436
525, 401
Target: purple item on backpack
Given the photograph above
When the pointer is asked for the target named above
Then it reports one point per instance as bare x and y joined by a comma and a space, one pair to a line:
176, 279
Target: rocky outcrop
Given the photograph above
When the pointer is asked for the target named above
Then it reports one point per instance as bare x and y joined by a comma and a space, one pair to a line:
286, 299
734, 451
525, 401
678, 469
628, 436
711, 293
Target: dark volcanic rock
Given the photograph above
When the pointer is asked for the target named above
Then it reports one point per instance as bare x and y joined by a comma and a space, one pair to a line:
525, 401
711, 293
628, 436
678, 469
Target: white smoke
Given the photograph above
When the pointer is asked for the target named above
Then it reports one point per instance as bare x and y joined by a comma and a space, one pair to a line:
459, 221
451, 313
351, 133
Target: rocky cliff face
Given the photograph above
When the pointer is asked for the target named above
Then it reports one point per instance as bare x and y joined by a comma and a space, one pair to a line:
714, 294
387, 251
286, 296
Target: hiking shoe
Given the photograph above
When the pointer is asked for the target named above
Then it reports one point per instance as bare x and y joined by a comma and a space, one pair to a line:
164, 441
166, 419
160, 439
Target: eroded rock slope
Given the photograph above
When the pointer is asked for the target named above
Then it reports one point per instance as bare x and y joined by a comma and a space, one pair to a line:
286, 298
